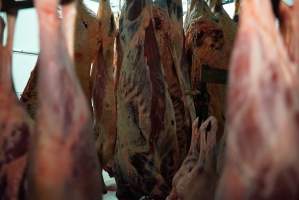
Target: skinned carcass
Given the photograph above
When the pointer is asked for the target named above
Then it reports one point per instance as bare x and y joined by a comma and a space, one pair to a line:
146, 149
170, 37
263, 104
208, 45
289, 26
237, 11
103, 95
196, 9
179, 57
16, 127
197, 177
63, 162
86, 42
223, 19
29, 97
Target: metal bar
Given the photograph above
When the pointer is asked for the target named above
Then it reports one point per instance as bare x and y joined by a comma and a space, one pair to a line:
25, 52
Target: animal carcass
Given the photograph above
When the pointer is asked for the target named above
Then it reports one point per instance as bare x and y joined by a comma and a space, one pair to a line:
146, 148
197, 177
103, 95
16, 126
208, 45
170, 37
289, 26
29, 96
263, 104
63, 162
86, 43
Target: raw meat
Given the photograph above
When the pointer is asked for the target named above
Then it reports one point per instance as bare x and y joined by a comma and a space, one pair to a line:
170, 38
15, 125
289, 26
209, 41
103, 95
29, 96
196, 9
197, 177
63, 162
263, 105
237, 11
86, 43
146, 149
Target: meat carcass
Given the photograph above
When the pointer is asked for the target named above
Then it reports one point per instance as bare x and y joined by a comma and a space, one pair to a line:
209, 41
170, 37
146, 149
16, 127
263, 104
63, 162
86, 43
289, 26
223, 19
29, 97
237, 11
196, 9
103, 95
197, 177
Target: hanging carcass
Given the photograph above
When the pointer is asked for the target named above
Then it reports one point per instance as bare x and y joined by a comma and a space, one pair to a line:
16, 127
237, 11
146, 148
197, 178
63, 162
208, 45
168, 18
103, 95
263, 104
86, 42
289, 26
29, 95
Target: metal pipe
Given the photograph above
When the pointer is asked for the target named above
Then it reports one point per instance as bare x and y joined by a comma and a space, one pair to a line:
25, 52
